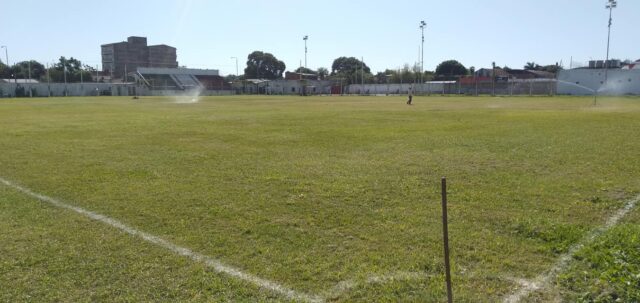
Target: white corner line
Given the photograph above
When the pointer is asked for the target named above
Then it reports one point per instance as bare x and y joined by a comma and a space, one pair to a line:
347, 285
179, 250
542, 281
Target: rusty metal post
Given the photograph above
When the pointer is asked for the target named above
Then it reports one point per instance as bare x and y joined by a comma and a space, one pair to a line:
445, 238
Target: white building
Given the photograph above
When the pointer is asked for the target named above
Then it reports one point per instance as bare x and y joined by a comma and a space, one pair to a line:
587, 81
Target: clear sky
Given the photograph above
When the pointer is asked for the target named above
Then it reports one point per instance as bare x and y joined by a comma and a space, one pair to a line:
384, 32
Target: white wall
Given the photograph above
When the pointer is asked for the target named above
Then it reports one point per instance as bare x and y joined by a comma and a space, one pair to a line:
94, 89
294, 87
586, 81
383, 89
61, 89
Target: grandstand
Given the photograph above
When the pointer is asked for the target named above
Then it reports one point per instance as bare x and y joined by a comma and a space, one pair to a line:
159, 78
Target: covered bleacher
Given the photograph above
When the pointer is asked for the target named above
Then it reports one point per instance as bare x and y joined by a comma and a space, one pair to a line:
159, 78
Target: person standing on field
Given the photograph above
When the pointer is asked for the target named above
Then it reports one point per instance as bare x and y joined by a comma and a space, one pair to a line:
410, 95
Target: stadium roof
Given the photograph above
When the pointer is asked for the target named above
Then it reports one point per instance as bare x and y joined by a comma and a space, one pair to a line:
177, 71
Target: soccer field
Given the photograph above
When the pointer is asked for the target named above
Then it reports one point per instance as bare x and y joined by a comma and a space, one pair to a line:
280, 198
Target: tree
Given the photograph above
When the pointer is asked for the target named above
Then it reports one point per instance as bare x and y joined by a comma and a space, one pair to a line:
304, 70
451, 68
472, 70
350, 69
263, 65
21, 69
429, 75
5, 73
231, 78
532, 66
323, 73
73, 71
553, 68
348, 65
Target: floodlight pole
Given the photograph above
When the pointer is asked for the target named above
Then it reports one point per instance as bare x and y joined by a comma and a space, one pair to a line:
610, 6
306, 37
422, 26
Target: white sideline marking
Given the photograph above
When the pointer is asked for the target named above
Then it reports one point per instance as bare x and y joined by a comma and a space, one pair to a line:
183, 251
541, 281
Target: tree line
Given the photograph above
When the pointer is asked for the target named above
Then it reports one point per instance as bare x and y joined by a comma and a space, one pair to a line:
263, 65
349, 70
72, 69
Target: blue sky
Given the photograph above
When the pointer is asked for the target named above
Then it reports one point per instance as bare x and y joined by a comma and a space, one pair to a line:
384, 33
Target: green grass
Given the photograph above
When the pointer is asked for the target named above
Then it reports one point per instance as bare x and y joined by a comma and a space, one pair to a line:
309, 192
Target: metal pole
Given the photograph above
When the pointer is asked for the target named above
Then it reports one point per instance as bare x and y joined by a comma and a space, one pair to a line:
30, 90
362, 67
445, 238
49, 79
493, 79
65, 76
305, 50
422, 26
236, 65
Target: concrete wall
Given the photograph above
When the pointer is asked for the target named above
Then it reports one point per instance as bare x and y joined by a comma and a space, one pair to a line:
61, 89
94, 89
525, 87
284, 87
586, 81
296, 87
403, 89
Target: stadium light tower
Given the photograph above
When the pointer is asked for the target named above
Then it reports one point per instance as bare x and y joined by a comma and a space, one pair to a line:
422, 26
6, 54
610, 6
306, 37
236, 64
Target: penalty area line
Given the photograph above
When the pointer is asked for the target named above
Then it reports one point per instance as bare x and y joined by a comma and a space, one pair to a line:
179, 250
542, 281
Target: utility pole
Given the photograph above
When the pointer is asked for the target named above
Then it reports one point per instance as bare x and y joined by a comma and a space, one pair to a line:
493, 78
30, 90
49, 78
362, 67
306, 37
610, 6
236, 65
65, 79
